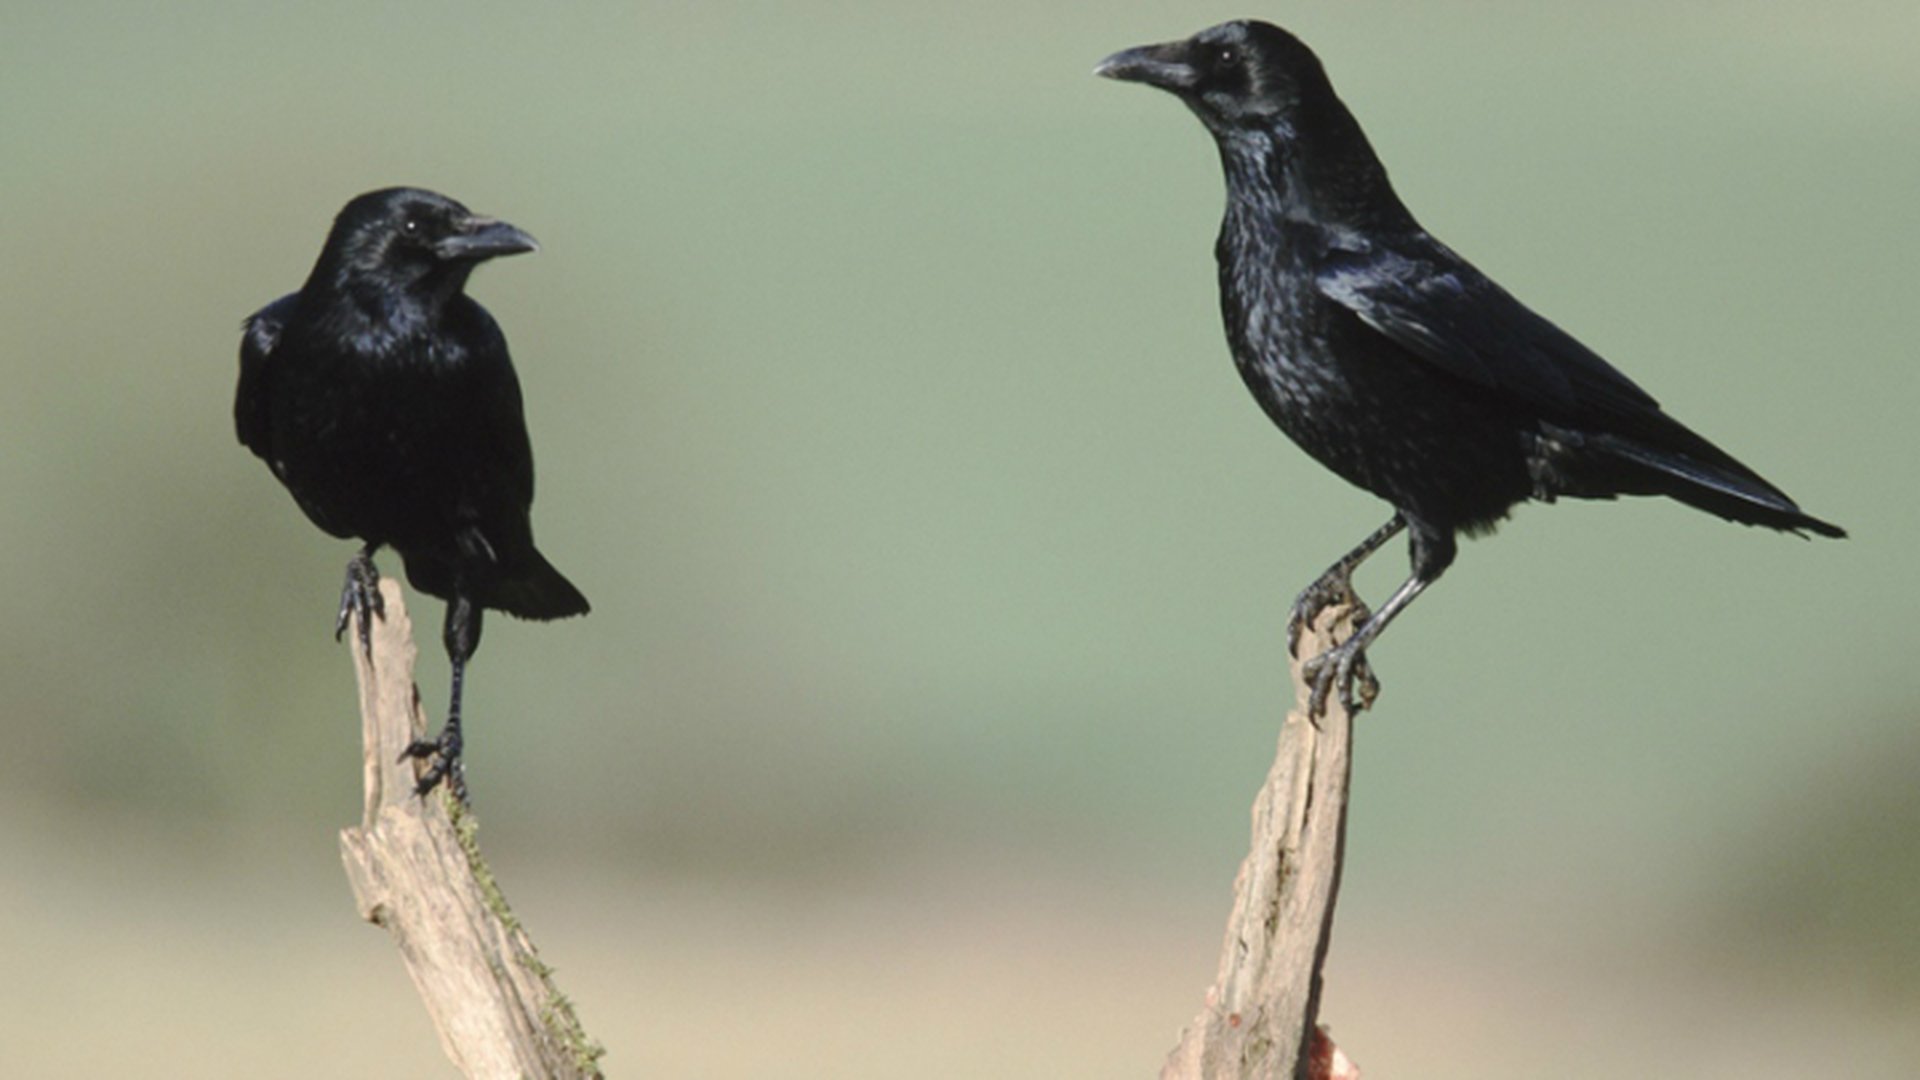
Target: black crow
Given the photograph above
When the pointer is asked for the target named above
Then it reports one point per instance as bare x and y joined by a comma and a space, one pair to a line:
382, 396
1392, 360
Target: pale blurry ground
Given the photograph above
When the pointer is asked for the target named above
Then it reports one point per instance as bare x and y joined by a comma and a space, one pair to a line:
974, 968
939, 560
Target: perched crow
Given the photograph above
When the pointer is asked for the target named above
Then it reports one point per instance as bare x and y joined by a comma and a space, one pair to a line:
1392, 360
383, 398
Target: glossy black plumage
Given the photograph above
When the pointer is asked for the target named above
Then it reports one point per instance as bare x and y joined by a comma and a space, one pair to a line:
1392, 360
384, 398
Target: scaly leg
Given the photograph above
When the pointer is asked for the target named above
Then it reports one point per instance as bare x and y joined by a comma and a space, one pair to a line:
1336, 585
462, 637
1432, 550
1340, 666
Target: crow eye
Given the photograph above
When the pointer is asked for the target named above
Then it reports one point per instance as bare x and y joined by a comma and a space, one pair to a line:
1224, 56
410, 225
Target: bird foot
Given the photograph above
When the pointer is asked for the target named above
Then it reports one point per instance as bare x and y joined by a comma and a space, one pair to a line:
1330, 589
1344, 667
443, 762
360, 596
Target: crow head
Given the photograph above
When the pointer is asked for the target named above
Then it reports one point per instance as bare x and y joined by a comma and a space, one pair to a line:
413, 241
1235, 76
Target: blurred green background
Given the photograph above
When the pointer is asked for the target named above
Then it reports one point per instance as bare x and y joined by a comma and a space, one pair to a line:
939, 559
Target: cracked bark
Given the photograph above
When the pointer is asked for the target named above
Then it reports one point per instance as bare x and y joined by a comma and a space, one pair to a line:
1261, 1016
416, 870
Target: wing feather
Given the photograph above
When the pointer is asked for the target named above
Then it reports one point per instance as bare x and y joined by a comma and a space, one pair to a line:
252, 403
1438, 307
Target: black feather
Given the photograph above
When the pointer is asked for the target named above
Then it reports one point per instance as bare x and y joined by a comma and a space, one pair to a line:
1391, 359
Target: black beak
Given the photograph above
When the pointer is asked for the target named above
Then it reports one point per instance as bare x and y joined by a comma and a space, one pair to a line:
484, 238
1164, 66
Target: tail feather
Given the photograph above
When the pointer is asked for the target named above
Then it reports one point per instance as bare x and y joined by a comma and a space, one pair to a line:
1709, 479
540, 592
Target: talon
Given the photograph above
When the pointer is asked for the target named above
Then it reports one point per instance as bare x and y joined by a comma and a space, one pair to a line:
1341, 667
1369, 686
443, 757
1345, 679
1317, 701
360, 595
1314, 599
455, 776
1319, 673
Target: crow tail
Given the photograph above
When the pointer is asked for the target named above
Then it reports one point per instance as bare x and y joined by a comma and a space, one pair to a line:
538, 592
1707, 478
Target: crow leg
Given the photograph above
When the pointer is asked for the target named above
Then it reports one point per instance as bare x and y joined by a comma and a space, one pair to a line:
442, 754
1340, 666
1433, 550
361, 596
1336, 585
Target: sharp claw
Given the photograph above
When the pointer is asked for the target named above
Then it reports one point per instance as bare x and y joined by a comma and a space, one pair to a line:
455, 777
1346, 688
443, 757
1369, 686
360, 595
1317, 701
1341, 667
1319, 673
1312, 600
376, 609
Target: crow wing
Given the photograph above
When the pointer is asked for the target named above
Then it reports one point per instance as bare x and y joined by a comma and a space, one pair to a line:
252, 404
1438, 307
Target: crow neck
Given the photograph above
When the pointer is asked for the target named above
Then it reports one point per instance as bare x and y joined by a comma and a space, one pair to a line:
1316, 168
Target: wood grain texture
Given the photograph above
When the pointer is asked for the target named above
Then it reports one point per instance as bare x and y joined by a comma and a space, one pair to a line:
416, 870
1260, 1019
